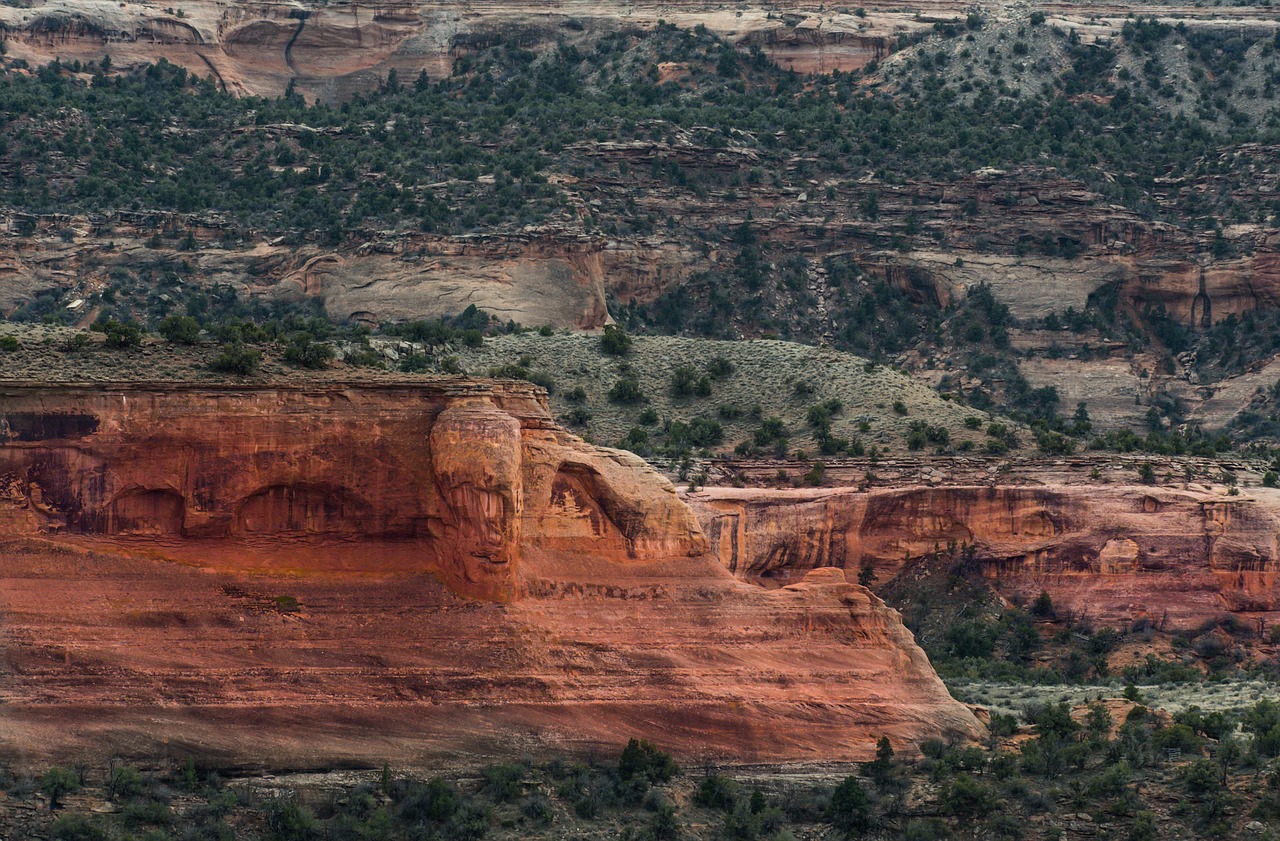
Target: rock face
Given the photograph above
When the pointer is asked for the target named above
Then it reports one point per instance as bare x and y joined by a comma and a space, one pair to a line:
359, 573
332, 51
1114, 554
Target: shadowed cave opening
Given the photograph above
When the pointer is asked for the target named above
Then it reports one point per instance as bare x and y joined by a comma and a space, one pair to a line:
576, 511
147, 512
303, 509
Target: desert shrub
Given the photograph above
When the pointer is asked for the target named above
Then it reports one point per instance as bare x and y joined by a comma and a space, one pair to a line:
627, 390
720, 368
121, 336
304, 351
537, 808
436, 801
502, 783
180, 329
615, 341
152, 813
237, 359
966, 797
642, 759
287, 820
684, 381
75, 827
56, 782
972, 639
125, 782
717, 791
850, 809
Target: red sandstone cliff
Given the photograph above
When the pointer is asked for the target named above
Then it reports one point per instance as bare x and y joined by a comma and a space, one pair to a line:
354, 573
1112, 553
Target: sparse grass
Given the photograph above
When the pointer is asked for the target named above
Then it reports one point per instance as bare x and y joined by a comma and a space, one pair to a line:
763, 379
1231, 694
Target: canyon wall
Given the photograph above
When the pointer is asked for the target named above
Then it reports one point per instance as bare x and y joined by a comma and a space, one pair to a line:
460, 470
401, 572
1112, 553
331, 50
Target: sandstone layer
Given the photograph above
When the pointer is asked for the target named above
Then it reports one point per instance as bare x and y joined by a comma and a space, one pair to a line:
362, 574
1113, 553
333, 49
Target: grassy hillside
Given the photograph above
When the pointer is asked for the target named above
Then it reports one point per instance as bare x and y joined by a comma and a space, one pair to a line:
685, 388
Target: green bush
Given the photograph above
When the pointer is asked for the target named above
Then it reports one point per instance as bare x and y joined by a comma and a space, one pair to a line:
503, 783
125, 782
237, 359
717, 791
287, 820
9, 344
615, 341
303, 350
720, 368
180, 329
850, 809
965, 797
627, 390
74, 827
642, 759
120, 336
56, 782
433, 802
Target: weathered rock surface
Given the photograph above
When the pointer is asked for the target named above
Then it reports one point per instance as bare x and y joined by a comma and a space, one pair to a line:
561, 275
1111, 553
357, 573
332, 50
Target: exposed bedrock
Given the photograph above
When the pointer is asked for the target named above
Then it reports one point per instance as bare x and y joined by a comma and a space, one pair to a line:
442, 467
1112, 553
335, 50
355, 573
557, 279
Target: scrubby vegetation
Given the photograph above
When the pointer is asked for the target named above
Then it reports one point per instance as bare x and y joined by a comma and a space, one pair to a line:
161, 138
498, 145
1117, 768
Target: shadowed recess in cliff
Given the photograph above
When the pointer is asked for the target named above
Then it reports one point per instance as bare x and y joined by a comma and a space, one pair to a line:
138, 511
576, 514
304, 509
44, 426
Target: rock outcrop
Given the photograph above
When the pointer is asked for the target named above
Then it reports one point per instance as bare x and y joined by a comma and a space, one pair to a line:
348, 572
1115, 554
332, 51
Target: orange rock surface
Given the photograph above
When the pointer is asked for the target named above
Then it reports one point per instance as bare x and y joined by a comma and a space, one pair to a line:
1111, 553
309, 576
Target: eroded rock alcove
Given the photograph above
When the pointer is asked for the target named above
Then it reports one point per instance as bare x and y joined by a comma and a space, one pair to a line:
1113, 553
